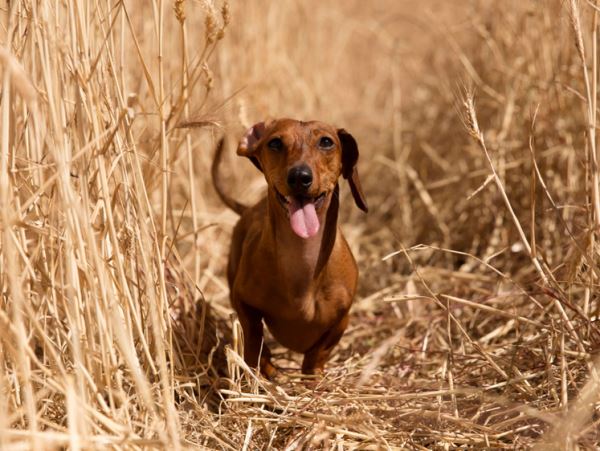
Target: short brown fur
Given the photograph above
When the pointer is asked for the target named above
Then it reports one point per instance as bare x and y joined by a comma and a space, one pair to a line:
301, 288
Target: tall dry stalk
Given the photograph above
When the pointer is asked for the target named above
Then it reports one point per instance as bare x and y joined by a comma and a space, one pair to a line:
83, 263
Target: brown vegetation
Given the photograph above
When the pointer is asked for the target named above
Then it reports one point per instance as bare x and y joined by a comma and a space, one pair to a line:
476, 323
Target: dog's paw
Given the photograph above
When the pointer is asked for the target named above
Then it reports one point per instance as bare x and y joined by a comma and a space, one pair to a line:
268, 370
313, 371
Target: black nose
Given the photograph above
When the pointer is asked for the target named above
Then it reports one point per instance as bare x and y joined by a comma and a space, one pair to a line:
300, 177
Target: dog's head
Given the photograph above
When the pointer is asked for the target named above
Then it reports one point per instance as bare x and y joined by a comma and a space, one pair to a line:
302, 162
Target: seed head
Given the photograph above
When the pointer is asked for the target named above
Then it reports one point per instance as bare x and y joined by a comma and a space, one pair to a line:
179, 12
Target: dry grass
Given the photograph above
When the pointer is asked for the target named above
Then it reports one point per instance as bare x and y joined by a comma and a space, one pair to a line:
476, 324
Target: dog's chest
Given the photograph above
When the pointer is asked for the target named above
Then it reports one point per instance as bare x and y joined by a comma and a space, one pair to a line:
299, 323
285, 294
275, 302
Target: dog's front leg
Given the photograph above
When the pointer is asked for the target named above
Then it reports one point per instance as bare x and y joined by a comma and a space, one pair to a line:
317, 355
251, 321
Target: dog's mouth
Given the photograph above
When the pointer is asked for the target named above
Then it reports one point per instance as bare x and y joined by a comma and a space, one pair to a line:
302, 212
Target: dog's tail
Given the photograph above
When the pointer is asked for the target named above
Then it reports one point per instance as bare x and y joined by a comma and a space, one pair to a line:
217, 182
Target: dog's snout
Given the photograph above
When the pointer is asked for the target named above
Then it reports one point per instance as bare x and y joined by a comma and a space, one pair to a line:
300, 177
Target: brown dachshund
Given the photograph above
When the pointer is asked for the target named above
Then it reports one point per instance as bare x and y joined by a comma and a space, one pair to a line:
289, 263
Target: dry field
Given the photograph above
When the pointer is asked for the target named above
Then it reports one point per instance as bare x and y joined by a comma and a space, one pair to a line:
477, 319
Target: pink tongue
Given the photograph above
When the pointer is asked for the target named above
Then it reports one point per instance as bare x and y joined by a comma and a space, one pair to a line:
303, 219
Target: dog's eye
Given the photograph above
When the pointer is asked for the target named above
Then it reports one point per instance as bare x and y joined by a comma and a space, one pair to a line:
275, 144
325, 142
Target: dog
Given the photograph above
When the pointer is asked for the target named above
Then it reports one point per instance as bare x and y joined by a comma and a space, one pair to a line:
289, 263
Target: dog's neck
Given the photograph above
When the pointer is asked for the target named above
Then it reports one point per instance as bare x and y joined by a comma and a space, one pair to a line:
300, 261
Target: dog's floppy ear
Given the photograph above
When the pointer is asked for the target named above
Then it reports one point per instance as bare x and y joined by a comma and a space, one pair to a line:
349, 170
248, 143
